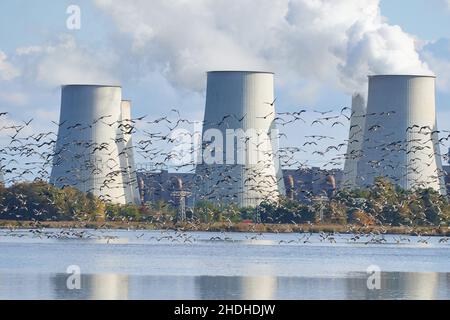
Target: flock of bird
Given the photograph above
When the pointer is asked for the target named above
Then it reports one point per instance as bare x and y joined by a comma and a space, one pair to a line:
176, 237
27, 154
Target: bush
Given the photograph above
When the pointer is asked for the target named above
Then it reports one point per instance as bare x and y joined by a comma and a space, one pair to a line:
361, 218
336, 213
286, 211
41, 201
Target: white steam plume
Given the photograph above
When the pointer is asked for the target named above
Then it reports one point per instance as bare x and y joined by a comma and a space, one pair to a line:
338, 40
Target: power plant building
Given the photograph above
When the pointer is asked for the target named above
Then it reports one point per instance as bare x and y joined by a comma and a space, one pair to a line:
400, 136
92, 152
394, 136
239, 148
301, 185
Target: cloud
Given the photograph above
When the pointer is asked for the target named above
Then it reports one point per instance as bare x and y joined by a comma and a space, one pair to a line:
181, 54
383, 49
64, 61
341, 41
336, 42
7, 70
14, 98
310, 44
36, 72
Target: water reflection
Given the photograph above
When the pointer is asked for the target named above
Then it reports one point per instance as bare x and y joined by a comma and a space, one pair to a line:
398, 285
225, 288
394, 285
93, 287
259, 287
109, 287
423, 286
269, 266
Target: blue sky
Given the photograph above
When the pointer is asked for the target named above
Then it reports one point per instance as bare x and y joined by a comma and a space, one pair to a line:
428, 19
27, 22
146, 47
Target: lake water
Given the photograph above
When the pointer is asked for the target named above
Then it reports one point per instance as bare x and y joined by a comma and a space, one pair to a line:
199, 265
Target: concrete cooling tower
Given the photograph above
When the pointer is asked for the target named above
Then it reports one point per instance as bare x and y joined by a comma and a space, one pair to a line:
125, 145
240, 152
400, 136
87, 153
355, 140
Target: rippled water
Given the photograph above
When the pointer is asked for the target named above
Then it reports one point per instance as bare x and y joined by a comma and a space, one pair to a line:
199, 265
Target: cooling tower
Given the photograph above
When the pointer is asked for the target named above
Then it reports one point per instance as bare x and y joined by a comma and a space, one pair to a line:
86, 154
125, 145
400, 136
240, 152
355, 140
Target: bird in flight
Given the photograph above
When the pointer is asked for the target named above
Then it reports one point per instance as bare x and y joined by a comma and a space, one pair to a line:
323, 112
271, 104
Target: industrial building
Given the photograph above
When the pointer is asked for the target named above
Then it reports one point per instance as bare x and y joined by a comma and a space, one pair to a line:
239, 154
394, 135
308, 183
301, 185
159, 185
92, 151
400, 135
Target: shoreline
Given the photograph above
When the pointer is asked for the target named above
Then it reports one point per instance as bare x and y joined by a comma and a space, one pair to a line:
227, 227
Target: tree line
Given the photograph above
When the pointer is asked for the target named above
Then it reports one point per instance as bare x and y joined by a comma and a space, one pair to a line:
382, 204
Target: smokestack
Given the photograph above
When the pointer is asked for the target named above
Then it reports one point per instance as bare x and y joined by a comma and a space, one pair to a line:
400, 136
86, 155
125, 144
291, 188
355, 140
240, 152
331, 186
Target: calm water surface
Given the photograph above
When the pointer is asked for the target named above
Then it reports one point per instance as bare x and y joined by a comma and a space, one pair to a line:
199, 265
